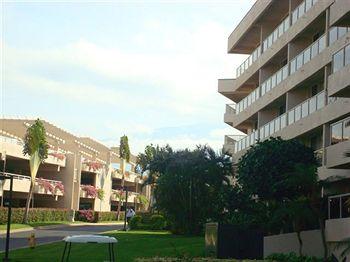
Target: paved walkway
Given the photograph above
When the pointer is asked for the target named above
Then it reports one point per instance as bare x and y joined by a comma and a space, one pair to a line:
53, 234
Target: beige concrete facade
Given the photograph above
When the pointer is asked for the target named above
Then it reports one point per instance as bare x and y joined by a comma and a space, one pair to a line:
77, 163
295, 83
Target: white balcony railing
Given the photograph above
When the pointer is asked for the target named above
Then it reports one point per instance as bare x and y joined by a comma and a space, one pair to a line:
230, 109
298, 112
283, 27
289, 69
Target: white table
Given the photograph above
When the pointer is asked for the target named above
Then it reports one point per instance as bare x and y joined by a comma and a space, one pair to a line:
97, 239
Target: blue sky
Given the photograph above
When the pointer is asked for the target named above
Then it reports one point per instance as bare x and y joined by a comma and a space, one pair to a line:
147, 69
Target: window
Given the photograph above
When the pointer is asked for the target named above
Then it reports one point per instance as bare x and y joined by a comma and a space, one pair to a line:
334, 208
282, 110
314, 50
345, 208
293, 66
336, 133
277, 124
273, 81
290, 117
295, 16
338, 60
301, 9
314, 90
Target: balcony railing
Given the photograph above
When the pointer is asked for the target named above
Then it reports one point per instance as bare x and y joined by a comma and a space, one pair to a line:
298, 112
308, 54
230, 109
339, 206
249, 61
283, 27
301, 59
301, 9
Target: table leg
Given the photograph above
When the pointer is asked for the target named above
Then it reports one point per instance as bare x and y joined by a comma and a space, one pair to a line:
112, 246
69, 248
109, 252
64, 252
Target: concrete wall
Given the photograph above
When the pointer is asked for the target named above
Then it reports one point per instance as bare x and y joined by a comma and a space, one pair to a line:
286, 243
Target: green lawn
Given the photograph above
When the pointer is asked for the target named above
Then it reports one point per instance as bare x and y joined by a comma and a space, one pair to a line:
14, 226
131, 245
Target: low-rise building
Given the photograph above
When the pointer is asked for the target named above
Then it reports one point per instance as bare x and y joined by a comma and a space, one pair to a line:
79, 173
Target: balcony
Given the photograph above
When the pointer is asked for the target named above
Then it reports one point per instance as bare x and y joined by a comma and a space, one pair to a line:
229, 113
295, 114
338, 223
339, 12
230, 141
14, 147
42, 186
115, 196
225, 87
88, 191
282, 74
91, 166
339, 82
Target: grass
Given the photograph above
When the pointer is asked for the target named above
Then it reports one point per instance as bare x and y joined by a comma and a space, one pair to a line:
14, 226
131, 245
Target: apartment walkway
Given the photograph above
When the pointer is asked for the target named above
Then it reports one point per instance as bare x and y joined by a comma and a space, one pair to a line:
54, 234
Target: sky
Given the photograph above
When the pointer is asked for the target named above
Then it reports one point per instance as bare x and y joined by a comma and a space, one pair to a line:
147, 69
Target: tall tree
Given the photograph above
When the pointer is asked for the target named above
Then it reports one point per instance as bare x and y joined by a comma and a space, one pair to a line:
189, 185
282, 174
124, 153
35, 145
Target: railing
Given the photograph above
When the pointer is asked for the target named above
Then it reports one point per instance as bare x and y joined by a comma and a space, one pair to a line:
299, 11
277, 33
306, 108
298, 112
308, 54
230, 109
249, 61
11, 140
301, 59
339, 206
28, 178
337, 32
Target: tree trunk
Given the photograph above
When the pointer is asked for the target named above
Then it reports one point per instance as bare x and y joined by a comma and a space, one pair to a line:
323, 235
120, 199
300, 243
29, 198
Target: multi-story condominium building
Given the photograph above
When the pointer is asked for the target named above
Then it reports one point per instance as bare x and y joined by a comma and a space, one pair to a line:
295, 83
76, 167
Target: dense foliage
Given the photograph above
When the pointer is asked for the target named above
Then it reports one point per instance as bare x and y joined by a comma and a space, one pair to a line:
292, 257
279, 178
35, 215
35, 140
268, 169
124, 150
154, 222
189, 186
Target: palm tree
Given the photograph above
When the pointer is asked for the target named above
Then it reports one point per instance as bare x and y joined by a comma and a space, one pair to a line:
35, 145
124, 153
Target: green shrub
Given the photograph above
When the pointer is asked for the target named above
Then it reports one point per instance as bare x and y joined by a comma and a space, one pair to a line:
97, 216
35, 215
158, 222
135, 222
292, 257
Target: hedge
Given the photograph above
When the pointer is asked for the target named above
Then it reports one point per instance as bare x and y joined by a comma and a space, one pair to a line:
97, 216
153, 222
35, 215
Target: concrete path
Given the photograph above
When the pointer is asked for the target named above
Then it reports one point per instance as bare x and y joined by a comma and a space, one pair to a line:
54, 233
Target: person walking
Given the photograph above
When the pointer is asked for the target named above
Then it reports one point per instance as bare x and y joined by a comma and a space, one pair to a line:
130, 213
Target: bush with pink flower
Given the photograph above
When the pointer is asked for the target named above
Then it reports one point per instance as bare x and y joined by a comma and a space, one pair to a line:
90, 190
